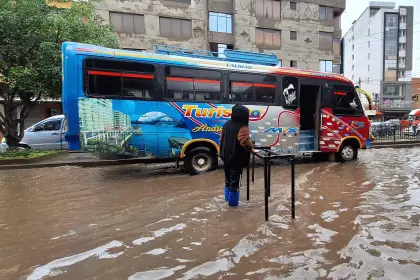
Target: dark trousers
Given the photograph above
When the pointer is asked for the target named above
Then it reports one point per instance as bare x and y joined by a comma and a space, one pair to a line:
233, 178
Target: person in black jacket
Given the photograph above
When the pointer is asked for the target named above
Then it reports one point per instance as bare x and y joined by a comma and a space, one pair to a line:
235, 149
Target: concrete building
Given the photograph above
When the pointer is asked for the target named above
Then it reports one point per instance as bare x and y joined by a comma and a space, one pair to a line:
416, 93
378, 55
304, 34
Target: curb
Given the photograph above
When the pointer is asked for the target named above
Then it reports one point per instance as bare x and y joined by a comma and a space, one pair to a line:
8, 162
87, 163
395, 145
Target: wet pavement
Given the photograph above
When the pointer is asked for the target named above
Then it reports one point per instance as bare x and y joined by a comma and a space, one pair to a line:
354, 221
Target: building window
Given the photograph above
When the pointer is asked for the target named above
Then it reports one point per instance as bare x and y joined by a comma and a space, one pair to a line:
368, 67
326, 66
401, 74
368, 55
352, 77
352, 47
293, 35
369, 32
352, 57
403, 33
402, 47
174, 27
352, 67
403, 19
368, 81
368, 44
268, 9
402, 61
325, 13
293, 63
325, 41
127, 23
268, 37
293, 5
220, 22
219, 49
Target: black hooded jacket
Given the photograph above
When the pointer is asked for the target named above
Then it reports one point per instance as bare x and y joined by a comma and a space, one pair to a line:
235, 144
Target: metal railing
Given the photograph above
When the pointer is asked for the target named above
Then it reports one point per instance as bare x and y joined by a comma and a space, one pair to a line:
395, 132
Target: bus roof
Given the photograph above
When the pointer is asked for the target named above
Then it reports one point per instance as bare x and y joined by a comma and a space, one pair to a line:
415, 112
93, 50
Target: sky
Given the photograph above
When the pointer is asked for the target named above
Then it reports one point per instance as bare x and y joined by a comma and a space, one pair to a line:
354, 8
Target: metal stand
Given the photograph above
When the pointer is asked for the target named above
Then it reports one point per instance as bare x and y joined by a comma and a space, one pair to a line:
267, 159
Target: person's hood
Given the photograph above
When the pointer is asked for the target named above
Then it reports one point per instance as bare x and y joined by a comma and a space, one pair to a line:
240, 114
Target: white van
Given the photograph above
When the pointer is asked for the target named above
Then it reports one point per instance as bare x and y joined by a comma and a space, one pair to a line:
45, 135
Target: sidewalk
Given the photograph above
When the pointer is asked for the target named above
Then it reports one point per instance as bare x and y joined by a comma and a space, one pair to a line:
82, 160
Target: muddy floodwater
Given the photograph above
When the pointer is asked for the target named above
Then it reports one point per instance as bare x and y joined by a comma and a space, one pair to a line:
354, 221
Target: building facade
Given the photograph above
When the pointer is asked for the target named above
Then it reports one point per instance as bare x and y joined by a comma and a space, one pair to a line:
378, 55
416, 93
303, 34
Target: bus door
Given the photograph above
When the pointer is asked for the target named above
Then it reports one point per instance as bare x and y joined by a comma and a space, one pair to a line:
310, 117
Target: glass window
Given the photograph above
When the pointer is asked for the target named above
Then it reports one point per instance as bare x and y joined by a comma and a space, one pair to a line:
50, 125
108, 78
268, 9
127, 23
293, 35
346, 101
192, 84
325, 41
243, 88
268, 37
325, 13
293, 63
326, 66
293, 5
138, 85
290, 94
174, 27
219, 22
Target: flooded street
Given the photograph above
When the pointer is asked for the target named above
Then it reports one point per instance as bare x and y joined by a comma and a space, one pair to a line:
354, 221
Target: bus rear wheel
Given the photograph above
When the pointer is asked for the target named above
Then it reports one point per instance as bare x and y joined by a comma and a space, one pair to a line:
200, 160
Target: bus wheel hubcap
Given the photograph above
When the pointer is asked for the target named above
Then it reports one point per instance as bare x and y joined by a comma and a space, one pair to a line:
201, 162
348, 153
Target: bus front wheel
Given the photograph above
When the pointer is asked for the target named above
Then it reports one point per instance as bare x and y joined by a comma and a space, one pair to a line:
348, 152
200, 160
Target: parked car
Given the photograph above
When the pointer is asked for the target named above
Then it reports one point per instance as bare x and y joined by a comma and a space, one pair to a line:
44, 135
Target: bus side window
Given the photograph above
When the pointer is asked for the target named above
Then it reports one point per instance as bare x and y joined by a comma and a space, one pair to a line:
257, 89
117, 78
192, 84
345, 101
290, 94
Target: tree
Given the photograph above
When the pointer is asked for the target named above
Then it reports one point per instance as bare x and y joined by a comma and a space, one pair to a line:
31, 34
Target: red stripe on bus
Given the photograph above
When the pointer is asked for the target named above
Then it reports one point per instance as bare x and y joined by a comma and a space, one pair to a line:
141, 76
339, 93
179, 79
242, 84
104, 73
206, 81
264, 85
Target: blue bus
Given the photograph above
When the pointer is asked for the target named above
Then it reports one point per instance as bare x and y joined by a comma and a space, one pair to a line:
172, 104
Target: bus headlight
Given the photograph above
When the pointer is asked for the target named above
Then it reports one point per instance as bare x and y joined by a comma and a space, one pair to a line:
3, 140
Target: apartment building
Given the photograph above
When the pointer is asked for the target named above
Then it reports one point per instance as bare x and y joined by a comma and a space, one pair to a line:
378, 55
303, 34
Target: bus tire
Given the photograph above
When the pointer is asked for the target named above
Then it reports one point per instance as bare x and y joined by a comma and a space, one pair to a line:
200, 160
348, 152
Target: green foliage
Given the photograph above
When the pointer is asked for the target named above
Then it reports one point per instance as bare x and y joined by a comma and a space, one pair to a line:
31, 35
23, 154
105, 149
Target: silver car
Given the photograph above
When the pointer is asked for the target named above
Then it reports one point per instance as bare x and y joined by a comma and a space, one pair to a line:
45, 135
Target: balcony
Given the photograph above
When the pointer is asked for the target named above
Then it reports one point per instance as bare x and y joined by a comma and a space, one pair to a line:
402, 54
403, 25
403, 40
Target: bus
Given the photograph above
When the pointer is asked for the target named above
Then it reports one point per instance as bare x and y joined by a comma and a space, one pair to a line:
172, 104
